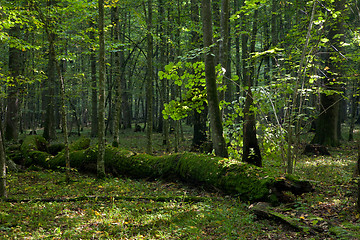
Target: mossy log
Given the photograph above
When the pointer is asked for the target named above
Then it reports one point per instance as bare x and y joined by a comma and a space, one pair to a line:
34, 149
248, 182
265, 211
306, 223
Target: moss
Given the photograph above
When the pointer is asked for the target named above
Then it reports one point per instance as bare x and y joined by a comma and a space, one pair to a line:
32, 143
199, 168
80, 144
34, 149
55, 148
249, 182
38, 158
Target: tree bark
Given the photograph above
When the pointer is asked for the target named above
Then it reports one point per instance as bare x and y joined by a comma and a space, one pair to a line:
246, 181
94, 95
16, 68
199, 119
164, 95
211, 87
354, 106
149, 81
224, 50
101, 112
49, 91
3, 192
118, 76
251, 150
327, 127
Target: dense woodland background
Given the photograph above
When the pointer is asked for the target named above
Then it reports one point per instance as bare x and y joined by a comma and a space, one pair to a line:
261, 81
250, 76
286, 67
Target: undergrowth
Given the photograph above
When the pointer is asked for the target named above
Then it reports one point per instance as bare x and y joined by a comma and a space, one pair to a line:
155, 209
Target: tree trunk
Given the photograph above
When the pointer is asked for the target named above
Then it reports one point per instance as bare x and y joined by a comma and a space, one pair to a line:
251, 150
3, 193
327, 127
101, 117
16, 68
224, 50
357, 174
211, 87
118, 76
149, 81
246, 181
94, 96
199, 119
354, 106
49, 92
164, 95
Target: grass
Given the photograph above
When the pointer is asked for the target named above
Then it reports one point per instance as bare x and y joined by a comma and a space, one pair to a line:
139, 215
215, 218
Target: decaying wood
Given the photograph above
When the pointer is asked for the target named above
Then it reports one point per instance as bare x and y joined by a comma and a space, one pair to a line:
264, 210
246, 181
301, 222
316, 149
116, 198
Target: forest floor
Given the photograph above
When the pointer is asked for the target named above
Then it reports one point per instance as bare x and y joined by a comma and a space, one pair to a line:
45, 207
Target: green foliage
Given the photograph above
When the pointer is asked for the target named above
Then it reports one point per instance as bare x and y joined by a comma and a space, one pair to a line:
191, 77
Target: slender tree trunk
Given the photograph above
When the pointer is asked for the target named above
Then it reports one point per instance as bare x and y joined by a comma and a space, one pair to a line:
101, 112
117, 81
149, 81
164, 95
224, 50
211, 87
237, 49
3, 193
274, 27
357, 173
354, 106
94, 96
64, 124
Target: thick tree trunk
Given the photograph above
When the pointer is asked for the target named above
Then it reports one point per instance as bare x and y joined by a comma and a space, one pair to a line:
199, 119
101, 112
164, 95
49, 92
247, 182
251, 150
211, 87
16, 68
328, 124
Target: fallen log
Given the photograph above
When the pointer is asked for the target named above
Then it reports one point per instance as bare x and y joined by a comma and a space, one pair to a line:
248, 182
263, 210
188, 199
306, 223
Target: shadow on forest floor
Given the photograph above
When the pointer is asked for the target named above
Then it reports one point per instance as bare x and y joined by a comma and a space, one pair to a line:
331, 208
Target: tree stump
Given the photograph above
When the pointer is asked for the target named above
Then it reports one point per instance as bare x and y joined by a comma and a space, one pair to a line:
316, 149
